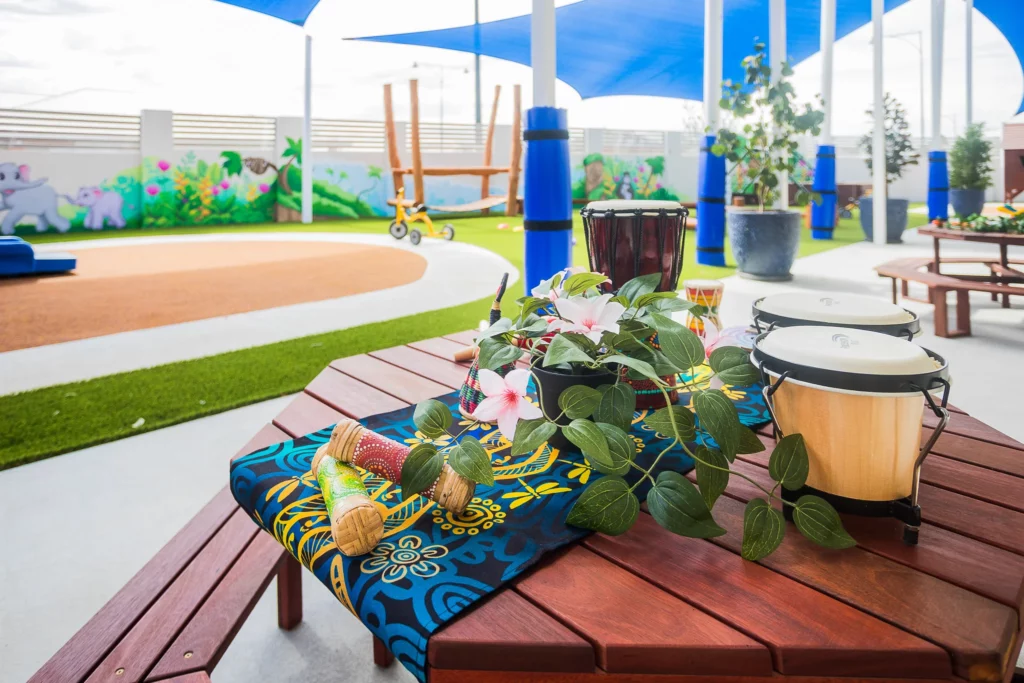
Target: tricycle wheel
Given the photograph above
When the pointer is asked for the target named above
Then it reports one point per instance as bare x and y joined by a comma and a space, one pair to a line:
448, 231
415, 236
398, 230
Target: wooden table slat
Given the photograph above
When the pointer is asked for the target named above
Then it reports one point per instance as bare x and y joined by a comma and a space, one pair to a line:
990, 455
636, 627
466, 337
978, 482
506, 632
265, 437
390, 379
350, 396
80, 655
809, 633
305, 414
441, 370
205, 638
972, 427
440, 347
139, 650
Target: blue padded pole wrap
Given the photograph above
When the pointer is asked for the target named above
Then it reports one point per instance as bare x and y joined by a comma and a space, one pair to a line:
710, 206
547, 195
938, 187
823, 213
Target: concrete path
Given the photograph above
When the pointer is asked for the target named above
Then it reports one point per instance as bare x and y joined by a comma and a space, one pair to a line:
987, 368
456, 273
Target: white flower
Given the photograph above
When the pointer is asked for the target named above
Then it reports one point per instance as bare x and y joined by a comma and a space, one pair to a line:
506, 400
590, 317
557, 292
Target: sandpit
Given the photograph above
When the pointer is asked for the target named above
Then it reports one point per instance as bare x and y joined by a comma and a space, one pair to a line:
133, 287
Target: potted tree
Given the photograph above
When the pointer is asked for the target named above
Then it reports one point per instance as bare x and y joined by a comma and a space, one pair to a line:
764, 240
970, 171
899, 153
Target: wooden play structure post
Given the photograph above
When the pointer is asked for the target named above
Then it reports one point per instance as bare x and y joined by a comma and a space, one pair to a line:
418, 170
512, 206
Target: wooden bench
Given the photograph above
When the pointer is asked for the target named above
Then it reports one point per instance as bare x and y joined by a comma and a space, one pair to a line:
176, 617
906, 270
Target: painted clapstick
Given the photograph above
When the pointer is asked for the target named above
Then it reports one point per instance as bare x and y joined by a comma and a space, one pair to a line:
356, 524
470, 394
354, 444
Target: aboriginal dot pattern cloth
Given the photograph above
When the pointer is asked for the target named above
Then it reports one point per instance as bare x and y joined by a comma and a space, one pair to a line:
432, 564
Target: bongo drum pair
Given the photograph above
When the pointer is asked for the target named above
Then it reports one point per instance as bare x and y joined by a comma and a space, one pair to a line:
858, 398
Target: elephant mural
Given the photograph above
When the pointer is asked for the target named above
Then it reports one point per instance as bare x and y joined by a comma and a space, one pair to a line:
20, 196
102, 205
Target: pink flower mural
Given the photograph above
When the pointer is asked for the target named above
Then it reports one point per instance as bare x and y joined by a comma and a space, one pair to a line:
163, 165
264, 188
225, 184
152, 190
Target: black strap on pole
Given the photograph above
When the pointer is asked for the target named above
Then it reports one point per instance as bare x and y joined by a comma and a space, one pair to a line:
550, 134
547, 226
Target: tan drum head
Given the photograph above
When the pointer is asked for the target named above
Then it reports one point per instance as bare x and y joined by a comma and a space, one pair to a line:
846, 310
629, 205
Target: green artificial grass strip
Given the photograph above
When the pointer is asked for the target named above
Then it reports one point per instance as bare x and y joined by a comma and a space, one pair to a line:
53, 420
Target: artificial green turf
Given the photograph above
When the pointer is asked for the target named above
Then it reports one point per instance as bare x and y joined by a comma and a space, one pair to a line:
53, 420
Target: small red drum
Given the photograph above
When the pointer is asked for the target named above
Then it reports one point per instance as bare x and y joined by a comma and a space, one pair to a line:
626, 239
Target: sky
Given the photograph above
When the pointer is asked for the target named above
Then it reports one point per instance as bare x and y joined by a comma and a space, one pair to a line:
201, 56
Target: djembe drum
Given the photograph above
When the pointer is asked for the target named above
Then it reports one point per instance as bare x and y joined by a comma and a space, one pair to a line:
626, 239
838, 310
858, 399
706, 293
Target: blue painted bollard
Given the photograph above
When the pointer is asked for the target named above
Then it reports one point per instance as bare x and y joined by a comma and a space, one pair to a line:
547, 195
938, 187
710, 206
823, 211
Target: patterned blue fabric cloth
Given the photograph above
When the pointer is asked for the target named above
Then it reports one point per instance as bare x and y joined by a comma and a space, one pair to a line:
432, 564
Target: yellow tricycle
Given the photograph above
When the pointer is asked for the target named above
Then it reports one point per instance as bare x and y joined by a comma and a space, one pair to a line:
399, 227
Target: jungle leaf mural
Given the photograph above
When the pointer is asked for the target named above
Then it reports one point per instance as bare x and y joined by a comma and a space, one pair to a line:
609, 177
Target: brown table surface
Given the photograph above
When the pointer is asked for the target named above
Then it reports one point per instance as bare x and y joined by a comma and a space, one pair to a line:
653, 606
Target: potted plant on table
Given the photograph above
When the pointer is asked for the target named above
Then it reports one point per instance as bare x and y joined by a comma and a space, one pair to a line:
584, 346
899, 153
765, 241
970, 171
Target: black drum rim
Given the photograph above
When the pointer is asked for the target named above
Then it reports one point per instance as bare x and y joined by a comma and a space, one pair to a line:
626, 212
852, 381
910, 328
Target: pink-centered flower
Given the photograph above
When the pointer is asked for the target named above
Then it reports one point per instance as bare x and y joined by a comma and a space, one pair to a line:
264, 188
152, 190
225, 184
163, 165
588, 316
506, 401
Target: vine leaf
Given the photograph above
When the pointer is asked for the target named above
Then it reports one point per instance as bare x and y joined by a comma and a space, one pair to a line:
470, 459
740, 375
677, 505
681, 346
638, 286
763, 529
661, 422
579, 401
618, 401
432, 418
561, 350
420, 469
621, 449
748, 441
711, 481
819, 521
725, 357
531, 434
719, 417
789, 463
607, 505
496, 352
581, 282
586, 436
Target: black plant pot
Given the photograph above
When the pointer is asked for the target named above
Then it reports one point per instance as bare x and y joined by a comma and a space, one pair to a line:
764, 243
966, 202
551, 384
895, 218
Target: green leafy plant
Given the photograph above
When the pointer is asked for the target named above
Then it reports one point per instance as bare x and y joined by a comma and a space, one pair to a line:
567, 325
970, 160
1011, 225
899, 150
772, 121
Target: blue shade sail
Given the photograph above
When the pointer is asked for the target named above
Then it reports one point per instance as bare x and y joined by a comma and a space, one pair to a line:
292, 11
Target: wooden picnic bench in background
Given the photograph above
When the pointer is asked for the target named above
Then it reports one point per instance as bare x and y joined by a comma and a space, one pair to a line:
647, 606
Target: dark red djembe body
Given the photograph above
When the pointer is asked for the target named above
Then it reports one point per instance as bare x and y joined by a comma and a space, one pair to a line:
626, 239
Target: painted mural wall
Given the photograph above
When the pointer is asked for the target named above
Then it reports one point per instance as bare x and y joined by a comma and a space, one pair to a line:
602, 176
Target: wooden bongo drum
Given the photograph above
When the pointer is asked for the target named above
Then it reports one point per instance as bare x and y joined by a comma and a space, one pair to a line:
837, 310
858, 398
706, 293
626, 239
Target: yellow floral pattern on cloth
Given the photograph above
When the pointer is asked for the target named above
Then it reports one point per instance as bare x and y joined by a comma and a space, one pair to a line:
395, 560
480, 515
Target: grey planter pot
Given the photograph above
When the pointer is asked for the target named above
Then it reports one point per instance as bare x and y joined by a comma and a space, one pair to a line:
764, 244
895, 219
966, 202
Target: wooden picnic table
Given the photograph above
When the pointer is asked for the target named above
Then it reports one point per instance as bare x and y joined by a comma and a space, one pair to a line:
1002, 272
649, 603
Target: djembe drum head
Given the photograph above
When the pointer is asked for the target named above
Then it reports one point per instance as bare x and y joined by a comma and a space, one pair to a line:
627, 239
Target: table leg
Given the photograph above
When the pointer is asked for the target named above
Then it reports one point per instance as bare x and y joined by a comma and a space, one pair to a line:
938, 297
289, 593
1006, 264
963, 313
938, 261
382, 657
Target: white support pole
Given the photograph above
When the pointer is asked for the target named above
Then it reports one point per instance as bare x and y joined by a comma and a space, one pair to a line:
938, 15
828, 39
777, 55
542, 52
879, 199
307, 138
969, 28
713, 31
